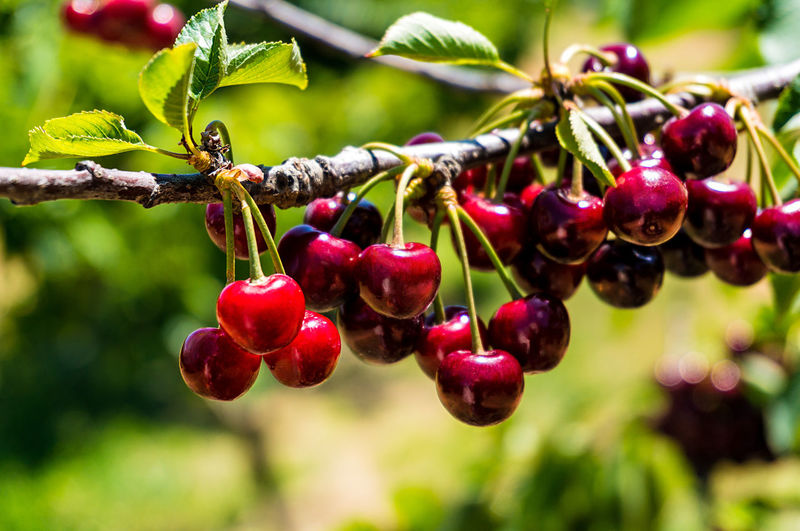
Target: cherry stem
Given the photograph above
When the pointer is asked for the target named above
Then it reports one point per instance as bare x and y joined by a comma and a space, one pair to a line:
438, 305
182, 156
512, 118
245, 196
576, 187
606, 139
512, 154
387, 225
491, 178
561, 168
603, 91
222, 129
399, 203
508, 282
548, 18
766, 171
394, 150
337, 229
782, 153
256, 273
524, 95
607, 58
749, 169
536, 162
453, 213
632, 82
230, 252
513, 70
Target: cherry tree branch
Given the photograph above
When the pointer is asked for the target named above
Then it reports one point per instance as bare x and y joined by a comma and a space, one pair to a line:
356, 46
298, 181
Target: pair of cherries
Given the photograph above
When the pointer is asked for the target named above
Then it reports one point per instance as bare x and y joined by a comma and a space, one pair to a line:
134, 23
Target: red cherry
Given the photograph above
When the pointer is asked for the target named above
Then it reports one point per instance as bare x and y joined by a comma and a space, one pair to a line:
504, 226
163, 25
480, 389
683, 257
703, 142
630, 61
567, 228
262, 316
535, 330
124, 21
472, 180
322, 264
428, 137
625, 275
650, 156
398, 282
311, 356
646, 207
521, 175
78, 15
776, 236
536, 273
363, 228
215, 226
718, 212
440, 339
737, 263
375, 338
529, 194
213, 366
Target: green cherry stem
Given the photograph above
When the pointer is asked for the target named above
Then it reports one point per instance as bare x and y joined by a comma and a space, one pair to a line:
438, 305
572, 50
626, 125
182, 156
787, 159
576, 187
388, 223
453, 213
256, 273
245, 196
513, 70
222, 129
561, 168
399, 203
512, 118
521, 96
536, 162
606, 139
512, 154
508, 282
230, 253
766, 171
631, 82
337, 229
748, 176
394, 150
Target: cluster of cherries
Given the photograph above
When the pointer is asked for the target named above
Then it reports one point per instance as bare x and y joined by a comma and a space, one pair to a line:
134, 23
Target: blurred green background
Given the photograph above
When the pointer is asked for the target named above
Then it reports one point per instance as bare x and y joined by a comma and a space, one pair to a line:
98, 431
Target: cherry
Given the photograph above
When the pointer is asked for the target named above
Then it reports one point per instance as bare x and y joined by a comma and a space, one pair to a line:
124, 21
502, 223
776, 236
737, 263
375, 338
363, 228
480, 389
650, 156
472, 180
718, 212
262, 316
163, 26
567, 228
683, 257
535, 330
703, 142
521, 175
427, 137
322, 264
630, 61
311, 356
398, 281
78, 15
215, 226
625, 275
536, 273
440, 339
529, 194
213, 366
423, 209
646, 207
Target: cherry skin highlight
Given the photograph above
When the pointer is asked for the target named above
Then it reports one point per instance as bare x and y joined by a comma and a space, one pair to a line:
375, 338
702, 143
480, 389
164, 23
567, 228
625, 275
630, 61
79, 15
215, 226
718, 212
363, 228
776, 236
214, 366
646, 207
536, 273
650, 156
502, 223
262, 316
311, 356
737, 264
437, 340
322, 264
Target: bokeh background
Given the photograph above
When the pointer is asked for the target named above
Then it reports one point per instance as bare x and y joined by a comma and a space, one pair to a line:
98, 431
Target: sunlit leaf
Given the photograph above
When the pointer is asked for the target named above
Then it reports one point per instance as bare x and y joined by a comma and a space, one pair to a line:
164, 84
266, 62
574, 136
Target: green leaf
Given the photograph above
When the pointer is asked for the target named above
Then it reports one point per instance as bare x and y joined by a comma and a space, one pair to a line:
85, 134
164, 84
266, 62
207, 30
574, 136
423, 37
788, 104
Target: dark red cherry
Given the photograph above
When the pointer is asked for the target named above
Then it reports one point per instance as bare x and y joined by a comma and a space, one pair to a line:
683, 257
262, 316
480, 389
529, 194
630, 61
536, 273
363, 228
737, 263
471, 181
213, 366
776, 236
702, 143
650, 156
625, 275
215, 226
375, 338
521, 175
502, 223
311, 356
423, 209
78, 15
535, 330
398, 282
322, 264
718, 212
440, 339
124, 21
428, 137
646, 207
163, 25
567, 228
